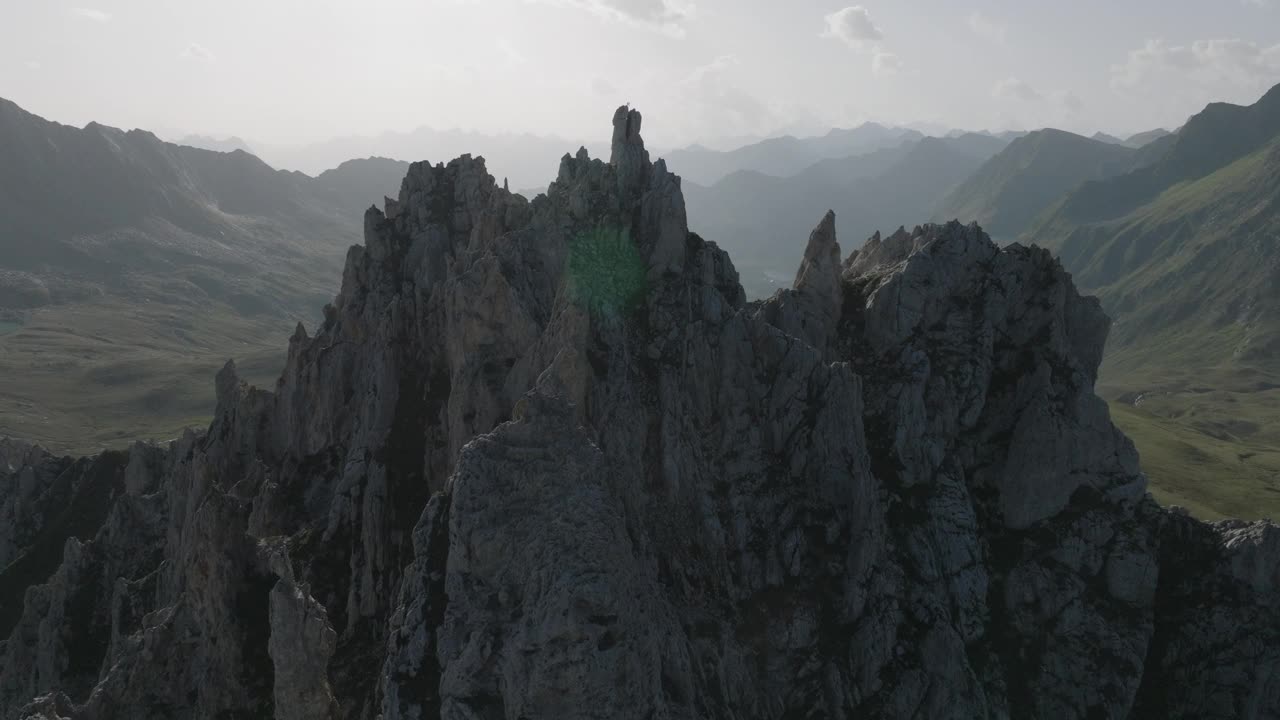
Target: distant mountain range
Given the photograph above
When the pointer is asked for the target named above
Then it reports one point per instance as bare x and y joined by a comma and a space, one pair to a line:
524, 160
1033, 172
206, 142
102, 206
1185, 255
1189, 244
1177, 232
129, 265
1143, 139
530, 161
757, 216
124, 258
784, 156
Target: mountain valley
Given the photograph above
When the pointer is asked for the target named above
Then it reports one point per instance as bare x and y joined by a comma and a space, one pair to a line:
130, 268
1185, 255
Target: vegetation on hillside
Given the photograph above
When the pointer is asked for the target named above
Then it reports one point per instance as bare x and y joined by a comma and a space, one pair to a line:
131, 269
1185, 255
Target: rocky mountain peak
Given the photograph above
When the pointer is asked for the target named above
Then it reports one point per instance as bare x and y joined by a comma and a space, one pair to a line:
543, 460
626, 132
628, 156
820, 268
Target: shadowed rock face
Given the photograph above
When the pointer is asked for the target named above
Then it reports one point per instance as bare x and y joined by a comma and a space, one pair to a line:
542, 460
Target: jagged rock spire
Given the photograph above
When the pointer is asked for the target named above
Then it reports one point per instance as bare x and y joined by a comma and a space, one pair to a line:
626, 133
228, 386
819, 272
628, 155
811, 309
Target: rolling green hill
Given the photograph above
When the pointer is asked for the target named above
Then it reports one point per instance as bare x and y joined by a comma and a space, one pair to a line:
1185, 255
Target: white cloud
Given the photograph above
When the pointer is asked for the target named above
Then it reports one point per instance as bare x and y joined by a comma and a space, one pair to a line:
886, 63
197, 52
31, 64
668, 16
1015, 89
853, 26
81, 13
987, 28
1235, 62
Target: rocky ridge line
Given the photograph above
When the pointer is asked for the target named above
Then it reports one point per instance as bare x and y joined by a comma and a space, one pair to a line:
542, 460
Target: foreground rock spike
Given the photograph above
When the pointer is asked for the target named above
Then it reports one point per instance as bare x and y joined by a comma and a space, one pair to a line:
543, 460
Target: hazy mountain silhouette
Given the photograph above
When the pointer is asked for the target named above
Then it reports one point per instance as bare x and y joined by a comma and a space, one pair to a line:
206, 142
757, 216
784, 156
126, 259
524, 160
1014, 187
1219, 135
1189, 244
1145, 138
99, 203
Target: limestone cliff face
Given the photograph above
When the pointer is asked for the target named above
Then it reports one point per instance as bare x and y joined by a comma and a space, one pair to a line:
542, 460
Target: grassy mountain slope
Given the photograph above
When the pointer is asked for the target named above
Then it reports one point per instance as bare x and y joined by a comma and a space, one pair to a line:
1214, 477
1151, 153
131, 267
1185, 255
1216, 137
1028, 176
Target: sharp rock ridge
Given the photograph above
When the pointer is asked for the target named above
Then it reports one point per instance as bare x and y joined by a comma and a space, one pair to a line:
543, 460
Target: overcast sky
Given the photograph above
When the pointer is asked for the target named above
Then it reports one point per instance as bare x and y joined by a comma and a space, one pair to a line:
291, 71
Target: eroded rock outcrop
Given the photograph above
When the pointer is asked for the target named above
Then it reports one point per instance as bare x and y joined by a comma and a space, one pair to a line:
542, 460
29, 494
